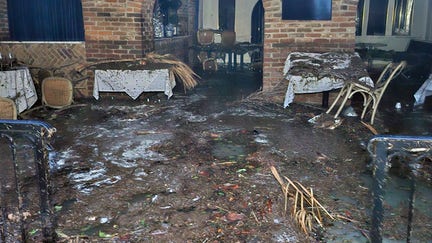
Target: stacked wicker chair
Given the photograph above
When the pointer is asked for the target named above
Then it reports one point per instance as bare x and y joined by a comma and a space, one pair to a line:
206, 39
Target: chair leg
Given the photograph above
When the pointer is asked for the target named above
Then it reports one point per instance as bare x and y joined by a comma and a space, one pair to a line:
344, 101
375, 108
341, 92
366, 104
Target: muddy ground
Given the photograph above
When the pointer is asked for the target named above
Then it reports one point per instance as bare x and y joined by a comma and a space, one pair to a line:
196, 168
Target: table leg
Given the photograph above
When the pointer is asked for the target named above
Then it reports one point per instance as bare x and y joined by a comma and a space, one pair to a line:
235, 60
325, 98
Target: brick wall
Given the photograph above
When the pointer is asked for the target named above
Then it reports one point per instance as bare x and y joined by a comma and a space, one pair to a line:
4, 27
120, 29
284, 36
117, 29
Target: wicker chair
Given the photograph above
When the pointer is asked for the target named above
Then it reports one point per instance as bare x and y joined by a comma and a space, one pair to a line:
7, 109
205, 37
371, 94
57, 92
228, 38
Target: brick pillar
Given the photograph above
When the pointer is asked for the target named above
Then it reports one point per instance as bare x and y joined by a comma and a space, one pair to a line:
284, 36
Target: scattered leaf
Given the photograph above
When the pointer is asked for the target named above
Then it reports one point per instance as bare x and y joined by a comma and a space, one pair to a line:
234, 216
241, 170
33, 232
104, 235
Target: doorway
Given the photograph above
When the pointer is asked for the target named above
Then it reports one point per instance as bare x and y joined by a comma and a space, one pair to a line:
257, 23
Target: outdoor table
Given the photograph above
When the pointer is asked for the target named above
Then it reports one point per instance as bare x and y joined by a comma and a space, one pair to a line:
321, 72
134, 82
233, 52
17, 84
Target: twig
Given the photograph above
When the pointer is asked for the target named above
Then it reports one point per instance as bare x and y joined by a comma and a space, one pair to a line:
256, 219
346, 218
370, 127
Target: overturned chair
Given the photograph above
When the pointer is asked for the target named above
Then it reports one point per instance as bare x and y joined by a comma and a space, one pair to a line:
372, 93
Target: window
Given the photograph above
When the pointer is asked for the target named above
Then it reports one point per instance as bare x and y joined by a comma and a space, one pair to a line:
165, 18
402, 18
306, 9
384, 17
377, 17
169, 9
226, 15
45, 20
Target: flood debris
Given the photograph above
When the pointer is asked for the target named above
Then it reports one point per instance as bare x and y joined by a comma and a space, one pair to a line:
370, 127
306, 209
325, 121
187, 77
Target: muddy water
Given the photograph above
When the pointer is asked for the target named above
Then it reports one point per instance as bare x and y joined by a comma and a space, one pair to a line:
196, 168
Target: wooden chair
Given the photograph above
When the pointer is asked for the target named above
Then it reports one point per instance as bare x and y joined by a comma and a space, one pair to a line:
57, 92
228, 38
8, 109
372, 94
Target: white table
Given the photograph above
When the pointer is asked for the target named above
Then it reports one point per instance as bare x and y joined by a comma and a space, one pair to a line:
134, 82
320, 72
18, 85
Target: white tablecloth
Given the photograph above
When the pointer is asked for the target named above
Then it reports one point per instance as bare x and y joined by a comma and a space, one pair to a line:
318, 72
18, 86
423, 91
133, 82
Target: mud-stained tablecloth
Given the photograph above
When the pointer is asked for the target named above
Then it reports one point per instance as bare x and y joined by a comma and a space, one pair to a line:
134, 82
318, 72
18, 85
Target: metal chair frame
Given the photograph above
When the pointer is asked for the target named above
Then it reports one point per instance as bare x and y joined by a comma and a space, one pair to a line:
371, 95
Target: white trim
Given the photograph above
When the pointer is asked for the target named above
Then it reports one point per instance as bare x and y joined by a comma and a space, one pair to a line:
390, 18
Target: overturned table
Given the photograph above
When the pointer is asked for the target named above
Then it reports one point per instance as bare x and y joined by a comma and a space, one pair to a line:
321, 72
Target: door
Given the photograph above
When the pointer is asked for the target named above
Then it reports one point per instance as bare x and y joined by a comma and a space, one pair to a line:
257, 24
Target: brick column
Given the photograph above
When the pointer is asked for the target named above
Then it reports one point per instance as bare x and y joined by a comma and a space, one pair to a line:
284, 36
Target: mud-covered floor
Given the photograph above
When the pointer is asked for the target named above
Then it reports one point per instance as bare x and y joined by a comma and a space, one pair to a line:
196, 167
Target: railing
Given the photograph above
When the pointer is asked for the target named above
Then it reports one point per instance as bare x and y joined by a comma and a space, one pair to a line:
410, 150
25, 195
